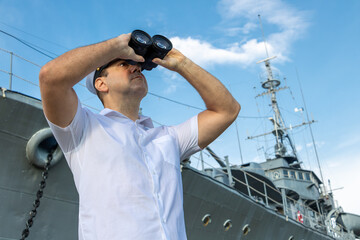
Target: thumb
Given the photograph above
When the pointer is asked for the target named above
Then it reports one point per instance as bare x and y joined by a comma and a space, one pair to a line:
158, 61
139, 58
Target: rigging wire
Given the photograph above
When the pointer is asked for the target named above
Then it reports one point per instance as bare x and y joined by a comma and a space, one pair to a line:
32, 35
290, 112
190, 106
1, 49
170, 100
263, 35
263, 124
304, 127
237, 134
291, 93
311, 133
28, 45
307, 151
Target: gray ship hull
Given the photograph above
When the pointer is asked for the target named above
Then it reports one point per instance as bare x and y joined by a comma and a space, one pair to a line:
22, 116
204, 195
56, 219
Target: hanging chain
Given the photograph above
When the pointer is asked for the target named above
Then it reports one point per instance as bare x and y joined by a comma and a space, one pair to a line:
39, 194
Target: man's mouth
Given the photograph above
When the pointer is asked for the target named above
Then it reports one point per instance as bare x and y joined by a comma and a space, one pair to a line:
137, 76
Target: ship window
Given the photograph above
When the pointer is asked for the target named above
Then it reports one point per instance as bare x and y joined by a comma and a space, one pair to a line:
307, 176
286, 173
206, 220
246, 229
227, 225
300, 175
292, 174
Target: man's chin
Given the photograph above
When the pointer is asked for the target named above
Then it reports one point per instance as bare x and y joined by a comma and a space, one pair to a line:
140, 92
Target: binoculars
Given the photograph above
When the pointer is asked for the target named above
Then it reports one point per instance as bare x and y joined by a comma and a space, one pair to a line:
149, 48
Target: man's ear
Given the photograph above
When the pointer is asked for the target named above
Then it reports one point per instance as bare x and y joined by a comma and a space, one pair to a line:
100, 85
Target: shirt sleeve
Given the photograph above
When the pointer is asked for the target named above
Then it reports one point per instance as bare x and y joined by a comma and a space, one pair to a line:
187, 135
70, 137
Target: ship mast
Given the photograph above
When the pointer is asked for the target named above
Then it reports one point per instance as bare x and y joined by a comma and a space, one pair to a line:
271, 85
279, 131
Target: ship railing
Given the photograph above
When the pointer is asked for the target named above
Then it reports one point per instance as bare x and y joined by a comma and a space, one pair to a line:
317, 221
309, 216
10, 72
13, 57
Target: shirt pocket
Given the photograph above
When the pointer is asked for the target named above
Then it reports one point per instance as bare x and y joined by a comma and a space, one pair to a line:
169, 150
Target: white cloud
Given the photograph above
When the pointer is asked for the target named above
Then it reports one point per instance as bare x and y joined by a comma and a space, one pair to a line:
318, 144
170, 89
289, 22
246, 29
172, 81
205, 54
274, 12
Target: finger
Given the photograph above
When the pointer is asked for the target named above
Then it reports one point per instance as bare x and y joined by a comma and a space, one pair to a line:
135, 57
158, 61
139, 58
125, 37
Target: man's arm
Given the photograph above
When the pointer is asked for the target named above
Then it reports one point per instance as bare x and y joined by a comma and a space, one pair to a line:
58, 76
221, 107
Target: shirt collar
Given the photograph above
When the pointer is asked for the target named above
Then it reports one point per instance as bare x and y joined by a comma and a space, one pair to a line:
144, 120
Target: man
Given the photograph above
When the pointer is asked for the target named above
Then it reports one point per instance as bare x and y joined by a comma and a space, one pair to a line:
127, 173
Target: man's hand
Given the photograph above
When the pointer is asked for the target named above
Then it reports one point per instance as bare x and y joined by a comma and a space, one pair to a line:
173, 61
126, 52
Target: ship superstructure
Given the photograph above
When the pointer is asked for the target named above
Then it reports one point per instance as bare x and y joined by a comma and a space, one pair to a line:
281, 184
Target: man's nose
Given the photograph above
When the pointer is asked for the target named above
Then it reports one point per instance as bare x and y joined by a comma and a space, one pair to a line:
135, 68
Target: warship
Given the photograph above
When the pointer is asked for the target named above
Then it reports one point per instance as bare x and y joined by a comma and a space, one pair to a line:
273, 199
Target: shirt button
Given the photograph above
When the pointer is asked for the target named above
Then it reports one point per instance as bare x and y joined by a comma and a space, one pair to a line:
164, 220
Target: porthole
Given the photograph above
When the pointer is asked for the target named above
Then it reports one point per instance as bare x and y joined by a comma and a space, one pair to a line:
291, 238
227, 225
206, 220
246, 229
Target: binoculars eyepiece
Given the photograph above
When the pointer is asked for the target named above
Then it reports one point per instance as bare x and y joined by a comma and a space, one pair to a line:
149, 48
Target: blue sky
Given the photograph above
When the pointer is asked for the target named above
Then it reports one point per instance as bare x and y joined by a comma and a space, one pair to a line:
316, 43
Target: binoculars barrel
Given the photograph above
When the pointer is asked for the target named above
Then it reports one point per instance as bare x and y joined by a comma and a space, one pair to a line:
149, 48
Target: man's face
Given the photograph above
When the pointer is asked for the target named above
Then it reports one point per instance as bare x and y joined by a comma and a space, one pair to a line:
126, 79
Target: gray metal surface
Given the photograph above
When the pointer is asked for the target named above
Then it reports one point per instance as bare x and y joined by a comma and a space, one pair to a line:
20, 117
204, 195
351, 222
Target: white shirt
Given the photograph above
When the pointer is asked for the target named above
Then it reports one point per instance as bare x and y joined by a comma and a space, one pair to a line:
127, 174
